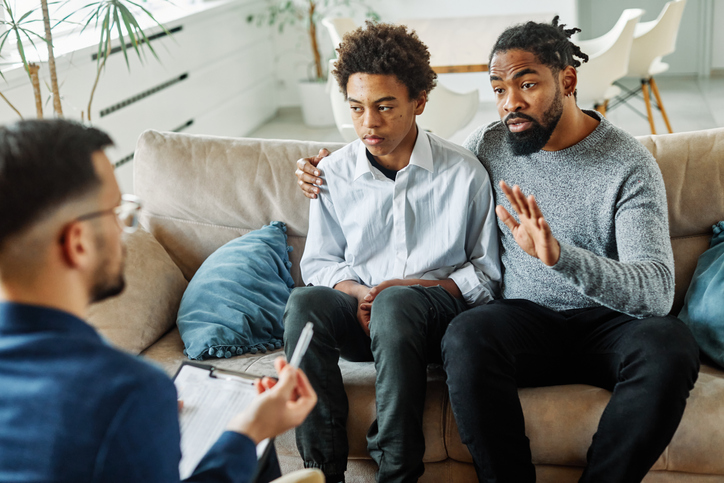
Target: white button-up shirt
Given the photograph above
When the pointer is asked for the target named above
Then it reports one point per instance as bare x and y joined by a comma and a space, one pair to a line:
435, 221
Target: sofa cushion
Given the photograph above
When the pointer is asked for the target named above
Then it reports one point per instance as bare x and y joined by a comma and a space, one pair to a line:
235, 302
560, 422
147, 308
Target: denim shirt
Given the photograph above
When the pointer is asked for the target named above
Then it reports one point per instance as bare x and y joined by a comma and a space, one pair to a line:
73, 409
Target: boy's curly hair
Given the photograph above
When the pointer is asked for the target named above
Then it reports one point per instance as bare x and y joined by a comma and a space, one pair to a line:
388, 50
550, 43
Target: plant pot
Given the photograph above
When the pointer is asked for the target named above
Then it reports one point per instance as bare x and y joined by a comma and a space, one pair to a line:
316, 104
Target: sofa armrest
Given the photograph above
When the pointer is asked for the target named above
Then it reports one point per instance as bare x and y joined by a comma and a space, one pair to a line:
147, 308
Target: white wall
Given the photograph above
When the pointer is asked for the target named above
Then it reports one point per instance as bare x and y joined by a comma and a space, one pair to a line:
212, 77
293, 55
717, 51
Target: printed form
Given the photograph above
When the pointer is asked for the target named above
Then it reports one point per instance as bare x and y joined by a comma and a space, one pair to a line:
208, 405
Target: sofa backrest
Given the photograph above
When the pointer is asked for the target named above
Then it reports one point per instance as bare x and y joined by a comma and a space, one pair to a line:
203, 191
200, 192
692, 164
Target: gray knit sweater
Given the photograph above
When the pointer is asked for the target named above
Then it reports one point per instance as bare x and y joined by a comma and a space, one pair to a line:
605, 201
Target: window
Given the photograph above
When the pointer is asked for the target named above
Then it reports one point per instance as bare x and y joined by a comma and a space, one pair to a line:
69, 16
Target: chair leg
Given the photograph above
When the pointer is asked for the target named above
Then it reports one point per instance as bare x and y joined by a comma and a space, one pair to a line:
647, 100
602, 107
661, 105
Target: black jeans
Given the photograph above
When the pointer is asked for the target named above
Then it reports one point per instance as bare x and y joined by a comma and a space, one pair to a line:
406, 329
650, 365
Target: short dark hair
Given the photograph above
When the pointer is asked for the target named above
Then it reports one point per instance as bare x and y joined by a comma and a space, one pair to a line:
44, 164
549, 42
388, 50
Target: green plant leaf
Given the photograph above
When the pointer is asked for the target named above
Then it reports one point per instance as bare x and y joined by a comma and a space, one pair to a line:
26, 15
125, 14
105, 40
122, 40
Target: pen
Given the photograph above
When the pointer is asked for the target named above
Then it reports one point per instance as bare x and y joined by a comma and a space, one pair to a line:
302, 345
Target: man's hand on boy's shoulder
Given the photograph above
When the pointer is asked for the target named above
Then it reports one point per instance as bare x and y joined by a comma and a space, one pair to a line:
308, 175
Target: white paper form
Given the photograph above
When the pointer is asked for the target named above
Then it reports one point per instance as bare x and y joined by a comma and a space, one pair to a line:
208, 405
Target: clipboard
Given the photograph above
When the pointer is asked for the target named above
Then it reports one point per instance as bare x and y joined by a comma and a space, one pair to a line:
212, 396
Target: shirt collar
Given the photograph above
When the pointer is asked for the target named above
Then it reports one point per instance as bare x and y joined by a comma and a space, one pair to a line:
24, 318
421, 155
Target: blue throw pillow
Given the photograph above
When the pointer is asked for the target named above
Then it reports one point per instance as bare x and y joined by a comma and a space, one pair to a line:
235, 301
704, 303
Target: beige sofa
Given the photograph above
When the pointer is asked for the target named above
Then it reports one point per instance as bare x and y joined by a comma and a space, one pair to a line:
201, 192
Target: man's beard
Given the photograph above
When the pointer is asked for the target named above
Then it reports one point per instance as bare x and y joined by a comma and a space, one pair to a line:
535, 137
106, 284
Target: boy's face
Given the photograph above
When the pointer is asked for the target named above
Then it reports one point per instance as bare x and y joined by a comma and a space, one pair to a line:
382, 112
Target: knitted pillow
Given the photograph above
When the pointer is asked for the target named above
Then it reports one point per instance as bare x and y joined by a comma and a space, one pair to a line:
235, 301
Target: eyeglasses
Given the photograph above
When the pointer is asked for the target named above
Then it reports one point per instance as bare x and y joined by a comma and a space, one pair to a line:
127, 213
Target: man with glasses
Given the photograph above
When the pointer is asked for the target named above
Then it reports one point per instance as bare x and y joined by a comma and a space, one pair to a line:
71, 407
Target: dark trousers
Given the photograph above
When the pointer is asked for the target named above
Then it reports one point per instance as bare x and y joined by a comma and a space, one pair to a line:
650, 365
406, 329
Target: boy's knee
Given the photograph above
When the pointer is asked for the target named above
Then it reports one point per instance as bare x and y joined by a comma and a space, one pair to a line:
302, 302
397, 314
395, 298
303, 299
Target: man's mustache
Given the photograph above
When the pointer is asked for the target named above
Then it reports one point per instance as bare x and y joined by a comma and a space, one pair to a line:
517, 115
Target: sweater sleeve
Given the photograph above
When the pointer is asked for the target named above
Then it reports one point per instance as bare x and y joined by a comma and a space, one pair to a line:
641, 282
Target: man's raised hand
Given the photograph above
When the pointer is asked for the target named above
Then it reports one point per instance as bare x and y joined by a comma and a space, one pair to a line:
533, 234
308, 175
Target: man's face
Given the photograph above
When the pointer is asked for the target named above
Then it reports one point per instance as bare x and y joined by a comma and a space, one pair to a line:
528, 97
382, 112
107, 279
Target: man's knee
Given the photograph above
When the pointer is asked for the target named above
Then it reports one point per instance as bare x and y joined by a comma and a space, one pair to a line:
667, 350
474, 332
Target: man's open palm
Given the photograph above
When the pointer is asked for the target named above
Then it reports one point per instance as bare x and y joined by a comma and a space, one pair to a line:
532, 234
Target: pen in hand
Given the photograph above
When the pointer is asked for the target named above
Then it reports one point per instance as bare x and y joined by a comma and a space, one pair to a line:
302, 345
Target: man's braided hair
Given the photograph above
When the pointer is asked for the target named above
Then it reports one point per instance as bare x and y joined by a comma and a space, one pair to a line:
385, 49
550, 43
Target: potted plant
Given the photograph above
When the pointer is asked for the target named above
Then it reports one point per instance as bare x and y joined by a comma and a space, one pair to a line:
106, 16
316, 105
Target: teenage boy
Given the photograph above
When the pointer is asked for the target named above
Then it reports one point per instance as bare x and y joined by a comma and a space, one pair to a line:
589, 276
402, 240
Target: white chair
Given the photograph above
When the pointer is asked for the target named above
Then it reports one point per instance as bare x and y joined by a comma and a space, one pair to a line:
445, 113
608, 58
652, 41
340, 107
448, 111
337, 27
